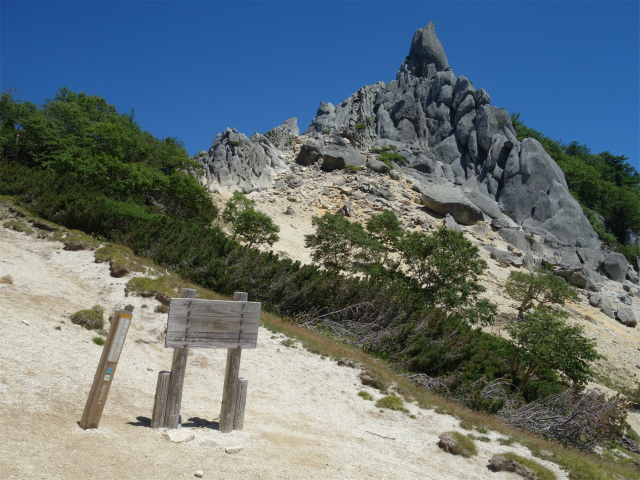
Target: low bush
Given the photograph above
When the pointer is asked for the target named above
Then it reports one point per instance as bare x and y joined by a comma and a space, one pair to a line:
457, 444
391, 402
89, 319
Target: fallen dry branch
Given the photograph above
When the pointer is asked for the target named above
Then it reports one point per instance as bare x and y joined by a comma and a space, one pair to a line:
580, 419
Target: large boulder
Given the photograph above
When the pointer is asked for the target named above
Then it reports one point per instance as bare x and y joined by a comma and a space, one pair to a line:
601, 301
485, 203
515, 237
310, 153
578, 277
444, 199
626, 316
616, 266
341, 156
506, 258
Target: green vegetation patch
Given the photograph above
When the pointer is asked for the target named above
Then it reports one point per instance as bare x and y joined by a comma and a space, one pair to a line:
457, 444
540, 471
366, 395
18, 226
89, 319
98, 340
391, 402
389, 154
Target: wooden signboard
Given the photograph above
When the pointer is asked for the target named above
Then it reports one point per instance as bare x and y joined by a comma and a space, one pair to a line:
106, 369
212, 324
207, 324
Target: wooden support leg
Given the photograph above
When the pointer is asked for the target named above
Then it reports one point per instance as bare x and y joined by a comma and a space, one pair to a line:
176, 381
241, 401
231, 380
160, 403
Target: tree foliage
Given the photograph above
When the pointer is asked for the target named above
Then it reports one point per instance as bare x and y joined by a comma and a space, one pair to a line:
443, 267
338, 243
247, 223
98, 151
541, 286
544, 340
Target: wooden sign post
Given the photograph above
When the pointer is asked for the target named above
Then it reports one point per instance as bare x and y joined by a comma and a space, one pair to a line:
106, 369
207, 324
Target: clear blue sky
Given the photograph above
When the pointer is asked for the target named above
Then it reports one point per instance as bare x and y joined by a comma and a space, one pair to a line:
191, 69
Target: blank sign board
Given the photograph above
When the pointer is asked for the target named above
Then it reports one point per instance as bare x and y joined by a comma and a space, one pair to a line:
212, 324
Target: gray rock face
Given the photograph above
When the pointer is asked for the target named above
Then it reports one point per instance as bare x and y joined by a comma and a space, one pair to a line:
283, 135
235, 162
626, 316
445, 200
616, 266
426, 49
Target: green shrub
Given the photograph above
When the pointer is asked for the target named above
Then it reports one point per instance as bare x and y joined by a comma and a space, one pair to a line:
364, 394
353, 168
458, 444
361, 126
391, 402
98, 340
236, 143
18, 226
129, 308
89, 319
292, 199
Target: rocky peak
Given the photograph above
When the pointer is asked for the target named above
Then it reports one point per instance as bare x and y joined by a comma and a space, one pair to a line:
425, 50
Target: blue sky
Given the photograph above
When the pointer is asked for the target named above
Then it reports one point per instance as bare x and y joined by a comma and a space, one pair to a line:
191, 69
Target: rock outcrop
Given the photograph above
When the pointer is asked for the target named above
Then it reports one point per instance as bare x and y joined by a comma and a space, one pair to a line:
236, 162
461, 153
448, 131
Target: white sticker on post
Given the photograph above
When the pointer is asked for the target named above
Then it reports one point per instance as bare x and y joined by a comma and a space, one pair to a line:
121, 334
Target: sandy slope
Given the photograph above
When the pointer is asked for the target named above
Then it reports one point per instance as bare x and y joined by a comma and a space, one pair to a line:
304, 418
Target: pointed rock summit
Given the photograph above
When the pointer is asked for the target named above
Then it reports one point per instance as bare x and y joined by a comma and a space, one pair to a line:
459, 151
425, 49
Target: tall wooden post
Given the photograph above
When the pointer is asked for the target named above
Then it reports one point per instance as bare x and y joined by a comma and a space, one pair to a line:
229, 392
106, 369
176, 381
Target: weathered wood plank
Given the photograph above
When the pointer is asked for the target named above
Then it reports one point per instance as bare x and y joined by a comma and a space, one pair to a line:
214, 308
241, 401
176, 380
248, 341
160, 402
200, 324
106, 370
